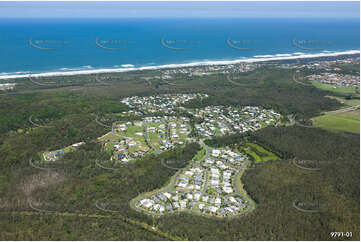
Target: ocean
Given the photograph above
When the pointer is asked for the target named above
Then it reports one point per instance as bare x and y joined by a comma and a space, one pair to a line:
33, 46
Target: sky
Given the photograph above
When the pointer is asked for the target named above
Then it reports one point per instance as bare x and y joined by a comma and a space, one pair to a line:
180, 10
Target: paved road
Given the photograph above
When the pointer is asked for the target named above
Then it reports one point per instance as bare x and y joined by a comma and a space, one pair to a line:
250, 203
177, 175
146, 136
244, 166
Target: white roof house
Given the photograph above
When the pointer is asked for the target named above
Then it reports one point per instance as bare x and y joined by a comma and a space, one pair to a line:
201, 206
213, 209
218, 201
232, 199
183, 204
168, 195
156, 207
227, 189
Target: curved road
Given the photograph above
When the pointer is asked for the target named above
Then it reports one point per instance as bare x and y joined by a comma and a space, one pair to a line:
175, 179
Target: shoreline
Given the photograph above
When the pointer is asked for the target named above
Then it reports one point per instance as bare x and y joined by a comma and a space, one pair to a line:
254, 59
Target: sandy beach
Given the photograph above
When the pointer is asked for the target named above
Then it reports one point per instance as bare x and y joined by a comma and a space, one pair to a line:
129, 67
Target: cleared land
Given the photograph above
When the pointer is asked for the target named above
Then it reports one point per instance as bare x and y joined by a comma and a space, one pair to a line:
348, 121
334, 88
348, 102
257, 153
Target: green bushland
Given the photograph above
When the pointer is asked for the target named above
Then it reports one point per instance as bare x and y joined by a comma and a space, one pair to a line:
272, 185
200, 155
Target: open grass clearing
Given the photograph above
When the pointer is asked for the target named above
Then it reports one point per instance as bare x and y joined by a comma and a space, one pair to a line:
348, 121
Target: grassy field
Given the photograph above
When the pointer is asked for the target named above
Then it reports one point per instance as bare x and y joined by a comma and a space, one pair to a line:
334, 88
110, 137
200, 154
351, 102
141, 145
348, 121
154, 138
258, 153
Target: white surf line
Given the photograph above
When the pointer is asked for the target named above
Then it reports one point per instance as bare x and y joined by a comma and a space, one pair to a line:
192, 64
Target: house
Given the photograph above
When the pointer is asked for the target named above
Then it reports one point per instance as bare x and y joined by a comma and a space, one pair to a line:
228, 190
201, 206
132, 144
161, 208
183, 204
213, 209
168, 195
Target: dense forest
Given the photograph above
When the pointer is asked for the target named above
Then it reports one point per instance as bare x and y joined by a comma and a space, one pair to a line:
65, 194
